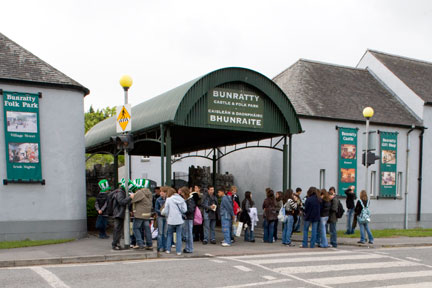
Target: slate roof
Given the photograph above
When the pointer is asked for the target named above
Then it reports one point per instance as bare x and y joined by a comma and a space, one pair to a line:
18, 64
341, 93
416, 74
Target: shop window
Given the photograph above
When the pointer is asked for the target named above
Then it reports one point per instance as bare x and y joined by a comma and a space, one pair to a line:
322, 179
372, 187
399, 184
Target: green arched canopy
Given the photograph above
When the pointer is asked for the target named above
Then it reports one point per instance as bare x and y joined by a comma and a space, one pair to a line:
188, 110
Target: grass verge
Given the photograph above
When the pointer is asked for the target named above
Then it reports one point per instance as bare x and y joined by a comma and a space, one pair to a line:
31, 243
391, 233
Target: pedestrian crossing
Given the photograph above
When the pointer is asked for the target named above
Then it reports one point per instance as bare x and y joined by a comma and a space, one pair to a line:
335, 268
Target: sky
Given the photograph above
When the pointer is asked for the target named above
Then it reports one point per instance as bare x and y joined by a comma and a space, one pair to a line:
163, 44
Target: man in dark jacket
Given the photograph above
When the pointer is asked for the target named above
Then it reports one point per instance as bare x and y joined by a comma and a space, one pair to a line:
351, 196
311, 217
101, 207
120, 202
333, 218
210, 204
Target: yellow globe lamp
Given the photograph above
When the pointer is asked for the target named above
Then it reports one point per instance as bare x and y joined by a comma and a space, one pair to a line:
368, 112
126, 81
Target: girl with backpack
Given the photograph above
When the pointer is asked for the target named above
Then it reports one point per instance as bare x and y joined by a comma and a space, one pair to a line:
362, 213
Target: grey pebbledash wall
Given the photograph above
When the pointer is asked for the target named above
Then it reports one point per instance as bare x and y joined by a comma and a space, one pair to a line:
57, 209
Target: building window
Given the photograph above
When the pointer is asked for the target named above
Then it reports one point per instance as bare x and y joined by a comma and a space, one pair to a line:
322, 179
399, 184
372, 184
145, 158
177, 156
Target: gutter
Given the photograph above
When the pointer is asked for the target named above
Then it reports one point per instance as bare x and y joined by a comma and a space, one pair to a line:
420, 175
406, 177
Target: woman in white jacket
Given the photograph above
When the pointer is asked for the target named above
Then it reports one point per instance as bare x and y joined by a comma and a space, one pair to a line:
173, 210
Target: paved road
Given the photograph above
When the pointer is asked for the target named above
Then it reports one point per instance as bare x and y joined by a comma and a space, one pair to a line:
395, 268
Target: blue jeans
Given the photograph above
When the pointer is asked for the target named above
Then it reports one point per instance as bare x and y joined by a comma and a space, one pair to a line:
188, 224
306, 233
162, 233
178, 230
103, 223
268, 230
287, 229
363, 227
297, 224
333, 234
323, 241
137, 228
209, 230
249, 234
350, 217
226, 229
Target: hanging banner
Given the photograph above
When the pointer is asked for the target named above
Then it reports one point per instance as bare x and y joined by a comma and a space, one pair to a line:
22, 141
347, 174
388, 147
236, 108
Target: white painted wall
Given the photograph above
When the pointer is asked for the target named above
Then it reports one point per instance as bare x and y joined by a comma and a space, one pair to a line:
414, 102
61, 114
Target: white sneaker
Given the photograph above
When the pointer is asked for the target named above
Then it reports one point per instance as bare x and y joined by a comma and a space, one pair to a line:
226, 244
178, 254
167, 251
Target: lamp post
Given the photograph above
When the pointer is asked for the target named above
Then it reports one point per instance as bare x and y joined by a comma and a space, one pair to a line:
126, 83
368, 112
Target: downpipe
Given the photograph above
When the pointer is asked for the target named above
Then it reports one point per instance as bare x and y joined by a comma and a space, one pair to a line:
406, 177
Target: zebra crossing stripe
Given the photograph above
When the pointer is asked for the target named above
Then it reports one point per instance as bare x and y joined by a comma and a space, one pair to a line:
342, 267
316, 259
259, 284
415, 285
315, 253
49, 277
371, 277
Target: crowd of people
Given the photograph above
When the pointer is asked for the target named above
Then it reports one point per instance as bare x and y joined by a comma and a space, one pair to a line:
189, 214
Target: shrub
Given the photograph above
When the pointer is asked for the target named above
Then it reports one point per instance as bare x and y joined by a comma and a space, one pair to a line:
91, 211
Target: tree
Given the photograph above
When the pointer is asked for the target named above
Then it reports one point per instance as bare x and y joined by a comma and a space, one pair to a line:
91, 118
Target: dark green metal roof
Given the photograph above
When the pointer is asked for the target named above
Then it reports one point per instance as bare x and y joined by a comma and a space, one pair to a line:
185, 109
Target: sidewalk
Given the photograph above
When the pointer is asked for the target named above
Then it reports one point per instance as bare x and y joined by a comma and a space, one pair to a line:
93, 249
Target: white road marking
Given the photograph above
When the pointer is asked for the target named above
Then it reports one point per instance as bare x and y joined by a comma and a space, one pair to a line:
50, 277
342, 267
371, 277
316, 259
209, 255
243, 268
217, 261
268, 277
413, 259
271, 270
415, 285
281, 255
259, 283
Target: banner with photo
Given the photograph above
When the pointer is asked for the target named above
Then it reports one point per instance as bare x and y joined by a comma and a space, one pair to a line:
22, 141
388, 163
347, 151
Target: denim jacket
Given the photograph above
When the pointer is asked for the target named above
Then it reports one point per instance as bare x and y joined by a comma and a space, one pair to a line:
226, 209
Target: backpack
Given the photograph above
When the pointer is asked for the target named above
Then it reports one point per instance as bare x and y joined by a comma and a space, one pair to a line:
364, 216
282, 214
197, 216
340, 211
112, 202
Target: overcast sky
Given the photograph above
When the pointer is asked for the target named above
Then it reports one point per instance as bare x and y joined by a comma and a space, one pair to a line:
163, 44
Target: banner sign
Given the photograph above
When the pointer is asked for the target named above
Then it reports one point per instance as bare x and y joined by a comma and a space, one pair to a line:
388, 147
21, 121
236, 108
347, 174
